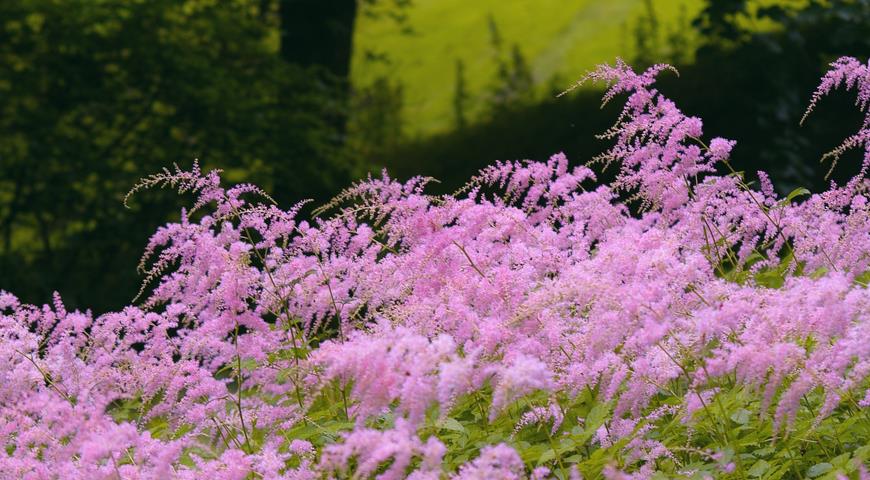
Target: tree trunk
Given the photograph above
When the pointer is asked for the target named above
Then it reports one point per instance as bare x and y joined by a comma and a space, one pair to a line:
318, 32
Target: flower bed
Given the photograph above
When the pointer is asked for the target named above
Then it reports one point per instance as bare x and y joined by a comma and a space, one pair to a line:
676, 322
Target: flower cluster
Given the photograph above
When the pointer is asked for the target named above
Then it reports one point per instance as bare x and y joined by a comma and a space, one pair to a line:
378, 338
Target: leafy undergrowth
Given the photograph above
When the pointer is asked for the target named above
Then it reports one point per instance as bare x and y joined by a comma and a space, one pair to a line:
675, 323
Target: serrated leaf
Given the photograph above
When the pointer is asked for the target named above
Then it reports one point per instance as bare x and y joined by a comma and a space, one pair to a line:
450, 424
841, 460
566, 444
532, 453
764, 452
546, 456
597, 415
819, 469
594, 419
758, 469
741, 416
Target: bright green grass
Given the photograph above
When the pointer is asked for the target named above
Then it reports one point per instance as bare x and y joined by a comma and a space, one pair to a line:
558, 38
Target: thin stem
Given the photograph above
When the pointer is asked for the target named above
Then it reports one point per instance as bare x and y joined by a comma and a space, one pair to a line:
555, 450
220, 432
47, 378
284, 302
700, 398
470, 261
239, 386
331, 297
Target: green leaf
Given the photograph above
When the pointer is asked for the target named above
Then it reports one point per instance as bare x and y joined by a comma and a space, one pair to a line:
546, 456
758, 469
819, 469
741, 416
597, 415
594, 419
534, 452
450, 424
841, 460
797, 192
764, 452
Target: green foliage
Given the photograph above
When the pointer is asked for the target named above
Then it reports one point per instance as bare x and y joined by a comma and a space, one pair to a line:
97, 93
763, 59
556, 39
376, 124
762, 64
732, 436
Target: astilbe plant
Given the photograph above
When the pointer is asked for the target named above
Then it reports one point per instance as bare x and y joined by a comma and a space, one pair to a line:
675, 322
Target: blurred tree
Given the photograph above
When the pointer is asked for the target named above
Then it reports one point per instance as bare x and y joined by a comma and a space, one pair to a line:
655, 44
719, 20
761, 59
647, 39
97, 93
765, 61
513, 83
376, 123
460, 97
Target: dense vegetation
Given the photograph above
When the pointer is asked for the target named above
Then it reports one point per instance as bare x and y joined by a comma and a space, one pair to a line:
302, 96
759, 57
98, 93
672, 322
553, 40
